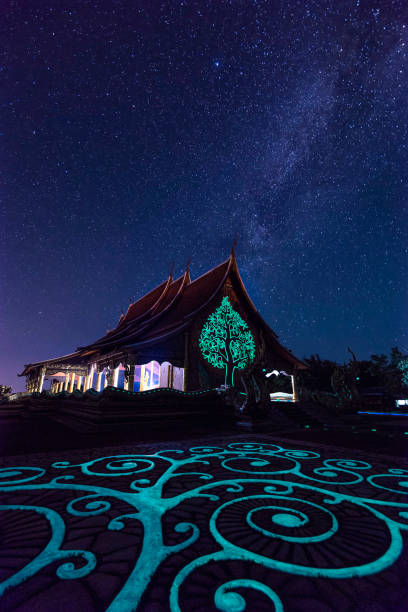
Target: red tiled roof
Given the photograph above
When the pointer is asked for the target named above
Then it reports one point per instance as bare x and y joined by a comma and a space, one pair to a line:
134, 328
145, 303
170, 307
136, 311
194, 297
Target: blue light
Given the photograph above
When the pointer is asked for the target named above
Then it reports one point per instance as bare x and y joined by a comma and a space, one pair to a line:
386, 413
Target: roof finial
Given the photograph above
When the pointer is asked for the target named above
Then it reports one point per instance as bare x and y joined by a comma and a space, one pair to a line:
234, 244
171, 270
187, 272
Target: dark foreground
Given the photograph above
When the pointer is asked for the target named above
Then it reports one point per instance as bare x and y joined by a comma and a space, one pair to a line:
256, 521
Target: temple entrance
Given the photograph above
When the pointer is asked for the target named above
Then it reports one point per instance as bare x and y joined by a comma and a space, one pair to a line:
154, 375
151, 375
281, 386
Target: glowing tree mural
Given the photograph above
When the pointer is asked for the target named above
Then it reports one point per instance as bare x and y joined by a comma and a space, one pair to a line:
226, 341
233, 518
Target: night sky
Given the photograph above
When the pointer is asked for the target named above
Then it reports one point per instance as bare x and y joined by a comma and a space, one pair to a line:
137, 134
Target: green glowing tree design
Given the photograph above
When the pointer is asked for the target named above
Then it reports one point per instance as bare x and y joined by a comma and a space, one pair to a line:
255, 499
226, 341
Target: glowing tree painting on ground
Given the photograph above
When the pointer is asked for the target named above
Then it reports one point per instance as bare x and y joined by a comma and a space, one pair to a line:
226, 341
258, 508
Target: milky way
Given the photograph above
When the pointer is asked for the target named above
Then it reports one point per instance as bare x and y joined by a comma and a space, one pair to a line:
137, 134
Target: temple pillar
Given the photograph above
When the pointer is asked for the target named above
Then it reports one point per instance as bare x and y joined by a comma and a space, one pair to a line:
115, 377
142, 377
131, 379
41, 379
91, 375
71, 385
66, 382
185, 365
79, 383
90, 378
107, 378
99, 381
294, 392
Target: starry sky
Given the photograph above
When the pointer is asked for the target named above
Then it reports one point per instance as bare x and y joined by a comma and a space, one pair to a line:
137, 134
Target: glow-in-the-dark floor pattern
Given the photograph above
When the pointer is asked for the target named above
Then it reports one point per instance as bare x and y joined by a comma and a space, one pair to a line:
243, 526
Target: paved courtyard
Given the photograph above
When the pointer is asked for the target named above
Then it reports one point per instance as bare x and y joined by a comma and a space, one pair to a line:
244, 522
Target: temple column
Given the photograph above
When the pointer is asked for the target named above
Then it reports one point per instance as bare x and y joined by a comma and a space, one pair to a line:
185, 365
41, 379
115, 377
142, 377
294, 392
71, 386
107, 378
131, 378
90, 378
66, 383
99, 381
79, 383
86, 379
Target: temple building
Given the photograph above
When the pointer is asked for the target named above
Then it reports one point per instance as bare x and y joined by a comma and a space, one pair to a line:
184, 334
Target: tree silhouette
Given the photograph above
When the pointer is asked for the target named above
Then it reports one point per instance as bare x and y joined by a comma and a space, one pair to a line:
226, 341
403, 367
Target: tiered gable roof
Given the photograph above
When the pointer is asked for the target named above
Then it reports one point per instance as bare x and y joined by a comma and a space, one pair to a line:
146, 304
170, 308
